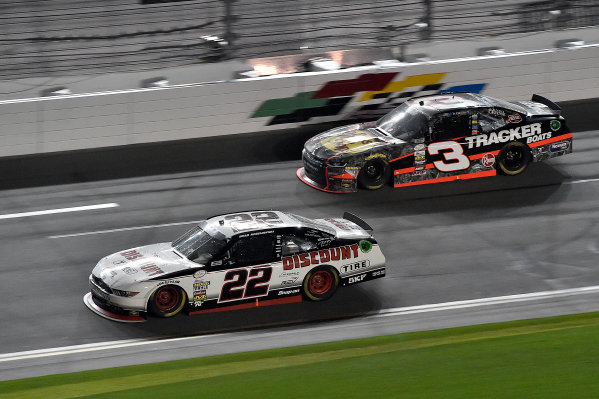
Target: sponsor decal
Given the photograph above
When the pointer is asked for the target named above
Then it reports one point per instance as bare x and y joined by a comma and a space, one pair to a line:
291, 273
197, 303
365, 246
169, 282
418, 171
514, 118
151, 269
378, 273
119, 262
420, 153
540, 137
419, 147
131, 255
418, 158
555, 125
358, 141
530, 132
488, 160
201, 273
377, 155
561, 146
289, 292
355, 266
112, 273
338, 224
496, 112
199, 295
356, 279
322, 256
289, 282
198, 285
129, 270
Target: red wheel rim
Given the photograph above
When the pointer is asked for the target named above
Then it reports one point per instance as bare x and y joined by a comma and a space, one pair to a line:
167, 298
320, 282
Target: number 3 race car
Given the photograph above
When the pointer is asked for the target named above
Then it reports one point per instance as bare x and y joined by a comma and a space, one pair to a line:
236, 261
437, 138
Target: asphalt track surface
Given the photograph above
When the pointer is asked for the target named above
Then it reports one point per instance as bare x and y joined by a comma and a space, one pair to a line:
446, 242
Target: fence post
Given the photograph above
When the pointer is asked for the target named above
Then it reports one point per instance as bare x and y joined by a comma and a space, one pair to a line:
229, 18
428, 20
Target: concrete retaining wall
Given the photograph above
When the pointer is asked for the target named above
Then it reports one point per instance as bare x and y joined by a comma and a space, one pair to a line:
281, 102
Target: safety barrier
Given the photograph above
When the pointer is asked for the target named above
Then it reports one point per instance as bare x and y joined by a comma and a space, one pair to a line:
118, 118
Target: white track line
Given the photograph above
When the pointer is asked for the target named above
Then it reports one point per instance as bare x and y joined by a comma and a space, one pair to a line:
124, 229
498, 300
437, 307
58, 210
581, 181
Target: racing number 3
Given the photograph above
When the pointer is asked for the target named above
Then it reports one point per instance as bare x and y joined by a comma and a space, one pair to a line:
453, 156
238, 286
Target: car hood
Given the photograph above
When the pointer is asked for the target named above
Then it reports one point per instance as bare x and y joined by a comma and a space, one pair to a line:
351, 139
140, 264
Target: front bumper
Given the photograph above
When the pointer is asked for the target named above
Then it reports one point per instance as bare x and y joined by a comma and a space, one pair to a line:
320, 175
110, 306
96, 307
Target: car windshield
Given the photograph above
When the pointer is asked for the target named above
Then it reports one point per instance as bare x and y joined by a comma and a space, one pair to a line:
201, 243
405, 122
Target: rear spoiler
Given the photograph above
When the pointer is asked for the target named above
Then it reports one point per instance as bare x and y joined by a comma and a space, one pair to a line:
545, 101
353, 218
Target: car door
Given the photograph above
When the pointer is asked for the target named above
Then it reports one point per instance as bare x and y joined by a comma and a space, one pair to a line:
248, 268
448, 130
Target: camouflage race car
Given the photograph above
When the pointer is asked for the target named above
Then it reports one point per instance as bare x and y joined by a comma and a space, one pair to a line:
236, 261
437, 138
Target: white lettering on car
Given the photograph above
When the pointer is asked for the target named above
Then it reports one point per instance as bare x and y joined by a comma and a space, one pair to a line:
531, 132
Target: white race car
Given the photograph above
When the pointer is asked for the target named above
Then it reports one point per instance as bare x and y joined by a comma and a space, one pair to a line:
236, 261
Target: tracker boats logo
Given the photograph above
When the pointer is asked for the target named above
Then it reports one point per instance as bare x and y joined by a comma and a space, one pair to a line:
532, 133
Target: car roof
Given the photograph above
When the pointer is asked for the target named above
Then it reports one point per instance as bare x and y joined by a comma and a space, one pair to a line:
230, 226
444, 102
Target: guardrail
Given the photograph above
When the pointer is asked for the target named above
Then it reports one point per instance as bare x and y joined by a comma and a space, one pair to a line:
117, 118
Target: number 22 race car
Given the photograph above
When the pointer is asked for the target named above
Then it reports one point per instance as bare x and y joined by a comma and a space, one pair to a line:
434, 139
236, 261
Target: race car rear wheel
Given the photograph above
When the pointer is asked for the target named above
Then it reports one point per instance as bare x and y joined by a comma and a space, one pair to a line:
167, 301
320, 283
513, 158
374, 174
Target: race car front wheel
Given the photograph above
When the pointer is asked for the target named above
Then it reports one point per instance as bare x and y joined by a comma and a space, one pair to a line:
320, 283
167, 301
513, 158
374, 174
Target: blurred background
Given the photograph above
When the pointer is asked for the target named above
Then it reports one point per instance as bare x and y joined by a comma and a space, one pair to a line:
85, 37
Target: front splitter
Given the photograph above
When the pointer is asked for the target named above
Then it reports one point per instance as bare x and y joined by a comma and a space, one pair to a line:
301, 174
89, 302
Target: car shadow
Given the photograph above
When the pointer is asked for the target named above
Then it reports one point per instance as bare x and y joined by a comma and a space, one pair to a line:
348, 302
539, 182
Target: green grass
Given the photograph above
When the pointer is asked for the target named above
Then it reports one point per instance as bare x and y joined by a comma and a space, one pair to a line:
542, 358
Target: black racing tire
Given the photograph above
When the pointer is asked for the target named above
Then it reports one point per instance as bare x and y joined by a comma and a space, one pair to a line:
167, 301
374, 174
320, 283
513, 158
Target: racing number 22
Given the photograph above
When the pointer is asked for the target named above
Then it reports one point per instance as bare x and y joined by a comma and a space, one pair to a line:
237, 284
453, 156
